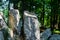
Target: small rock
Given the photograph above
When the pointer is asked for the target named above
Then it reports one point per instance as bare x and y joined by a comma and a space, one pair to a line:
44, 35
55, 37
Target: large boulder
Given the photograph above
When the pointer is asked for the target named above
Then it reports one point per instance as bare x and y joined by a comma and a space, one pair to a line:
31, 26
14, 22
14, 19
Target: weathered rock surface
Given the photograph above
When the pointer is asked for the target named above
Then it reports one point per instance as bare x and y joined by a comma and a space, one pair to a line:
55, 37
44, 35
14, 22
1, 35
31, 26
2, 22
16, 17
2, 26
19, 27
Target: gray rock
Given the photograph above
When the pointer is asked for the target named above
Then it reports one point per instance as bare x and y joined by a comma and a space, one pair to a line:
2, 22
31, 26
44, 35
16, 15
1, 35
19, 27
55, 37
3, 26
15, 22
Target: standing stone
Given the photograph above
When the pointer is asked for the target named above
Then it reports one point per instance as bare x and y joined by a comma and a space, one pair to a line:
14, 14
31, 26
14, 19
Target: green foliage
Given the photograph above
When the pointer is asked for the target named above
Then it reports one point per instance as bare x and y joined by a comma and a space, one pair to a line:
6, 14
56, 31
37, 7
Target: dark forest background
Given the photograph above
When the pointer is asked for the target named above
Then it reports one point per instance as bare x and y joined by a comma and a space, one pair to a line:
47, 11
